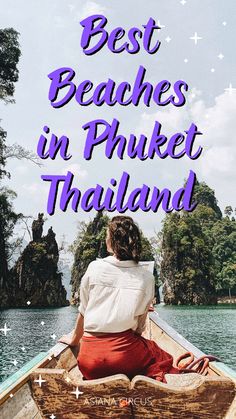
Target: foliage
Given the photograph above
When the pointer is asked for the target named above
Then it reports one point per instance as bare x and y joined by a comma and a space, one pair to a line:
8, 219
35, 276
89, 244
9, 57
205, 196
224, 252
188, 264
3, 135
18, 152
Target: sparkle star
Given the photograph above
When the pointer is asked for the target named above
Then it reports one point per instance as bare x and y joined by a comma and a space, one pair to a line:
11, 395
77, 392
183, 2
230, 89
28, 303
224, 23
221, 56
42, 323
53, 336
52, 416
40, 381
5, 329
195, 38
160, 26
168, 39
23, 348
186, 60
15, 362
212, 70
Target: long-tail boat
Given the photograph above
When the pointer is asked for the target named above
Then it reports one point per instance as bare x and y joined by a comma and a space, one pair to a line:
51, 386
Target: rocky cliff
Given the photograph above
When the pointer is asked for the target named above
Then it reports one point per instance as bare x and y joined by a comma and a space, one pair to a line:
34, 280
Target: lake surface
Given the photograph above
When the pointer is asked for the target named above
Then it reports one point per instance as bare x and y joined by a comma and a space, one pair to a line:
211, 329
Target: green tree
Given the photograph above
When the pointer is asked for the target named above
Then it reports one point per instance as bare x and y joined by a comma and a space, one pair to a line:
224, 252
228, 210
89, 244
3, 135
9, 57
8, 219
188, 266
204, 195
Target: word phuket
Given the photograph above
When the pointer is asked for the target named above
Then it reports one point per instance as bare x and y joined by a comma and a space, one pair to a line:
117, 197
141, 147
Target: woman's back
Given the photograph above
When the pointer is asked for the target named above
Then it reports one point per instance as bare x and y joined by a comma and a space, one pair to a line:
114, 294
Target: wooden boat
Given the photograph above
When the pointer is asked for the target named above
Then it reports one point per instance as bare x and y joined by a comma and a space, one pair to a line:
51, 386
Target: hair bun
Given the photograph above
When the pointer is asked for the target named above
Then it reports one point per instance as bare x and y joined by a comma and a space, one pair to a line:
125, 238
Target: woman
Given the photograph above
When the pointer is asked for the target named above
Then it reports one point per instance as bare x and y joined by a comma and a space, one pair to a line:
115, 295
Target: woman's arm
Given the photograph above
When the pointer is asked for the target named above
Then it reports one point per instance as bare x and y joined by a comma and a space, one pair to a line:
74, 340
79, 326
141, 323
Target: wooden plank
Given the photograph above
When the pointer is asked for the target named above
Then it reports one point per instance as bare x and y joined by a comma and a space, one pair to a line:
15, 381
116, 397
179, 343
209, 399
179, 339
68, 359
20, 406
223, 369
49, 371
57, 349
100, 398
75, 374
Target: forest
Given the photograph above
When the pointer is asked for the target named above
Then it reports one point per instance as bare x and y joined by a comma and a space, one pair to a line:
194, 253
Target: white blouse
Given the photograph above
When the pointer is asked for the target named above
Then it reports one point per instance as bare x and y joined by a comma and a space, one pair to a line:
114, 294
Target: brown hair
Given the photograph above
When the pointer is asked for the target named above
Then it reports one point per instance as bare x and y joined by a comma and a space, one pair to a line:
125, 238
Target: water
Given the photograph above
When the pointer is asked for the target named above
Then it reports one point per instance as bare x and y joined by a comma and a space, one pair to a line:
28, 332
211, 329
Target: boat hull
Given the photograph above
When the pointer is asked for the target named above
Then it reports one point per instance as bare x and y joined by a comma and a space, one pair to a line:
62, 392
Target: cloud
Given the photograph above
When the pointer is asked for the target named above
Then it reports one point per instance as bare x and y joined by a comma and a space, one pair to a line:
34, 189
59, 22
22, 169
90, 8
76, 170
217, 164
218, 126
35, 194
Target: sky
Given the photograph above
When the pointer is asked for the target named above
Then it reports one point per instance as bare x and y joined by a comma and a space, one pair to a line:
50, 34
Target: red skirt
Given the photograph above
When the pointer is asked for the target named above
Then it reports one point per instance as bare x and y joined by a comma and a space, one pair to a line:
123, 353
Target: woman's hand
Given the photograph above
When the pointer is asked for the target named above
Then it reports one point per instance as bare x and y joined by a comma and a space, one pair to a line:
69, 340
73, 339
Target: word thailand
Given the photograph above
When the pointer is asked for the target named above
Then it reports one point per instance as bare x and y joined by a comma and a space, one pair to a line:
118, 200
